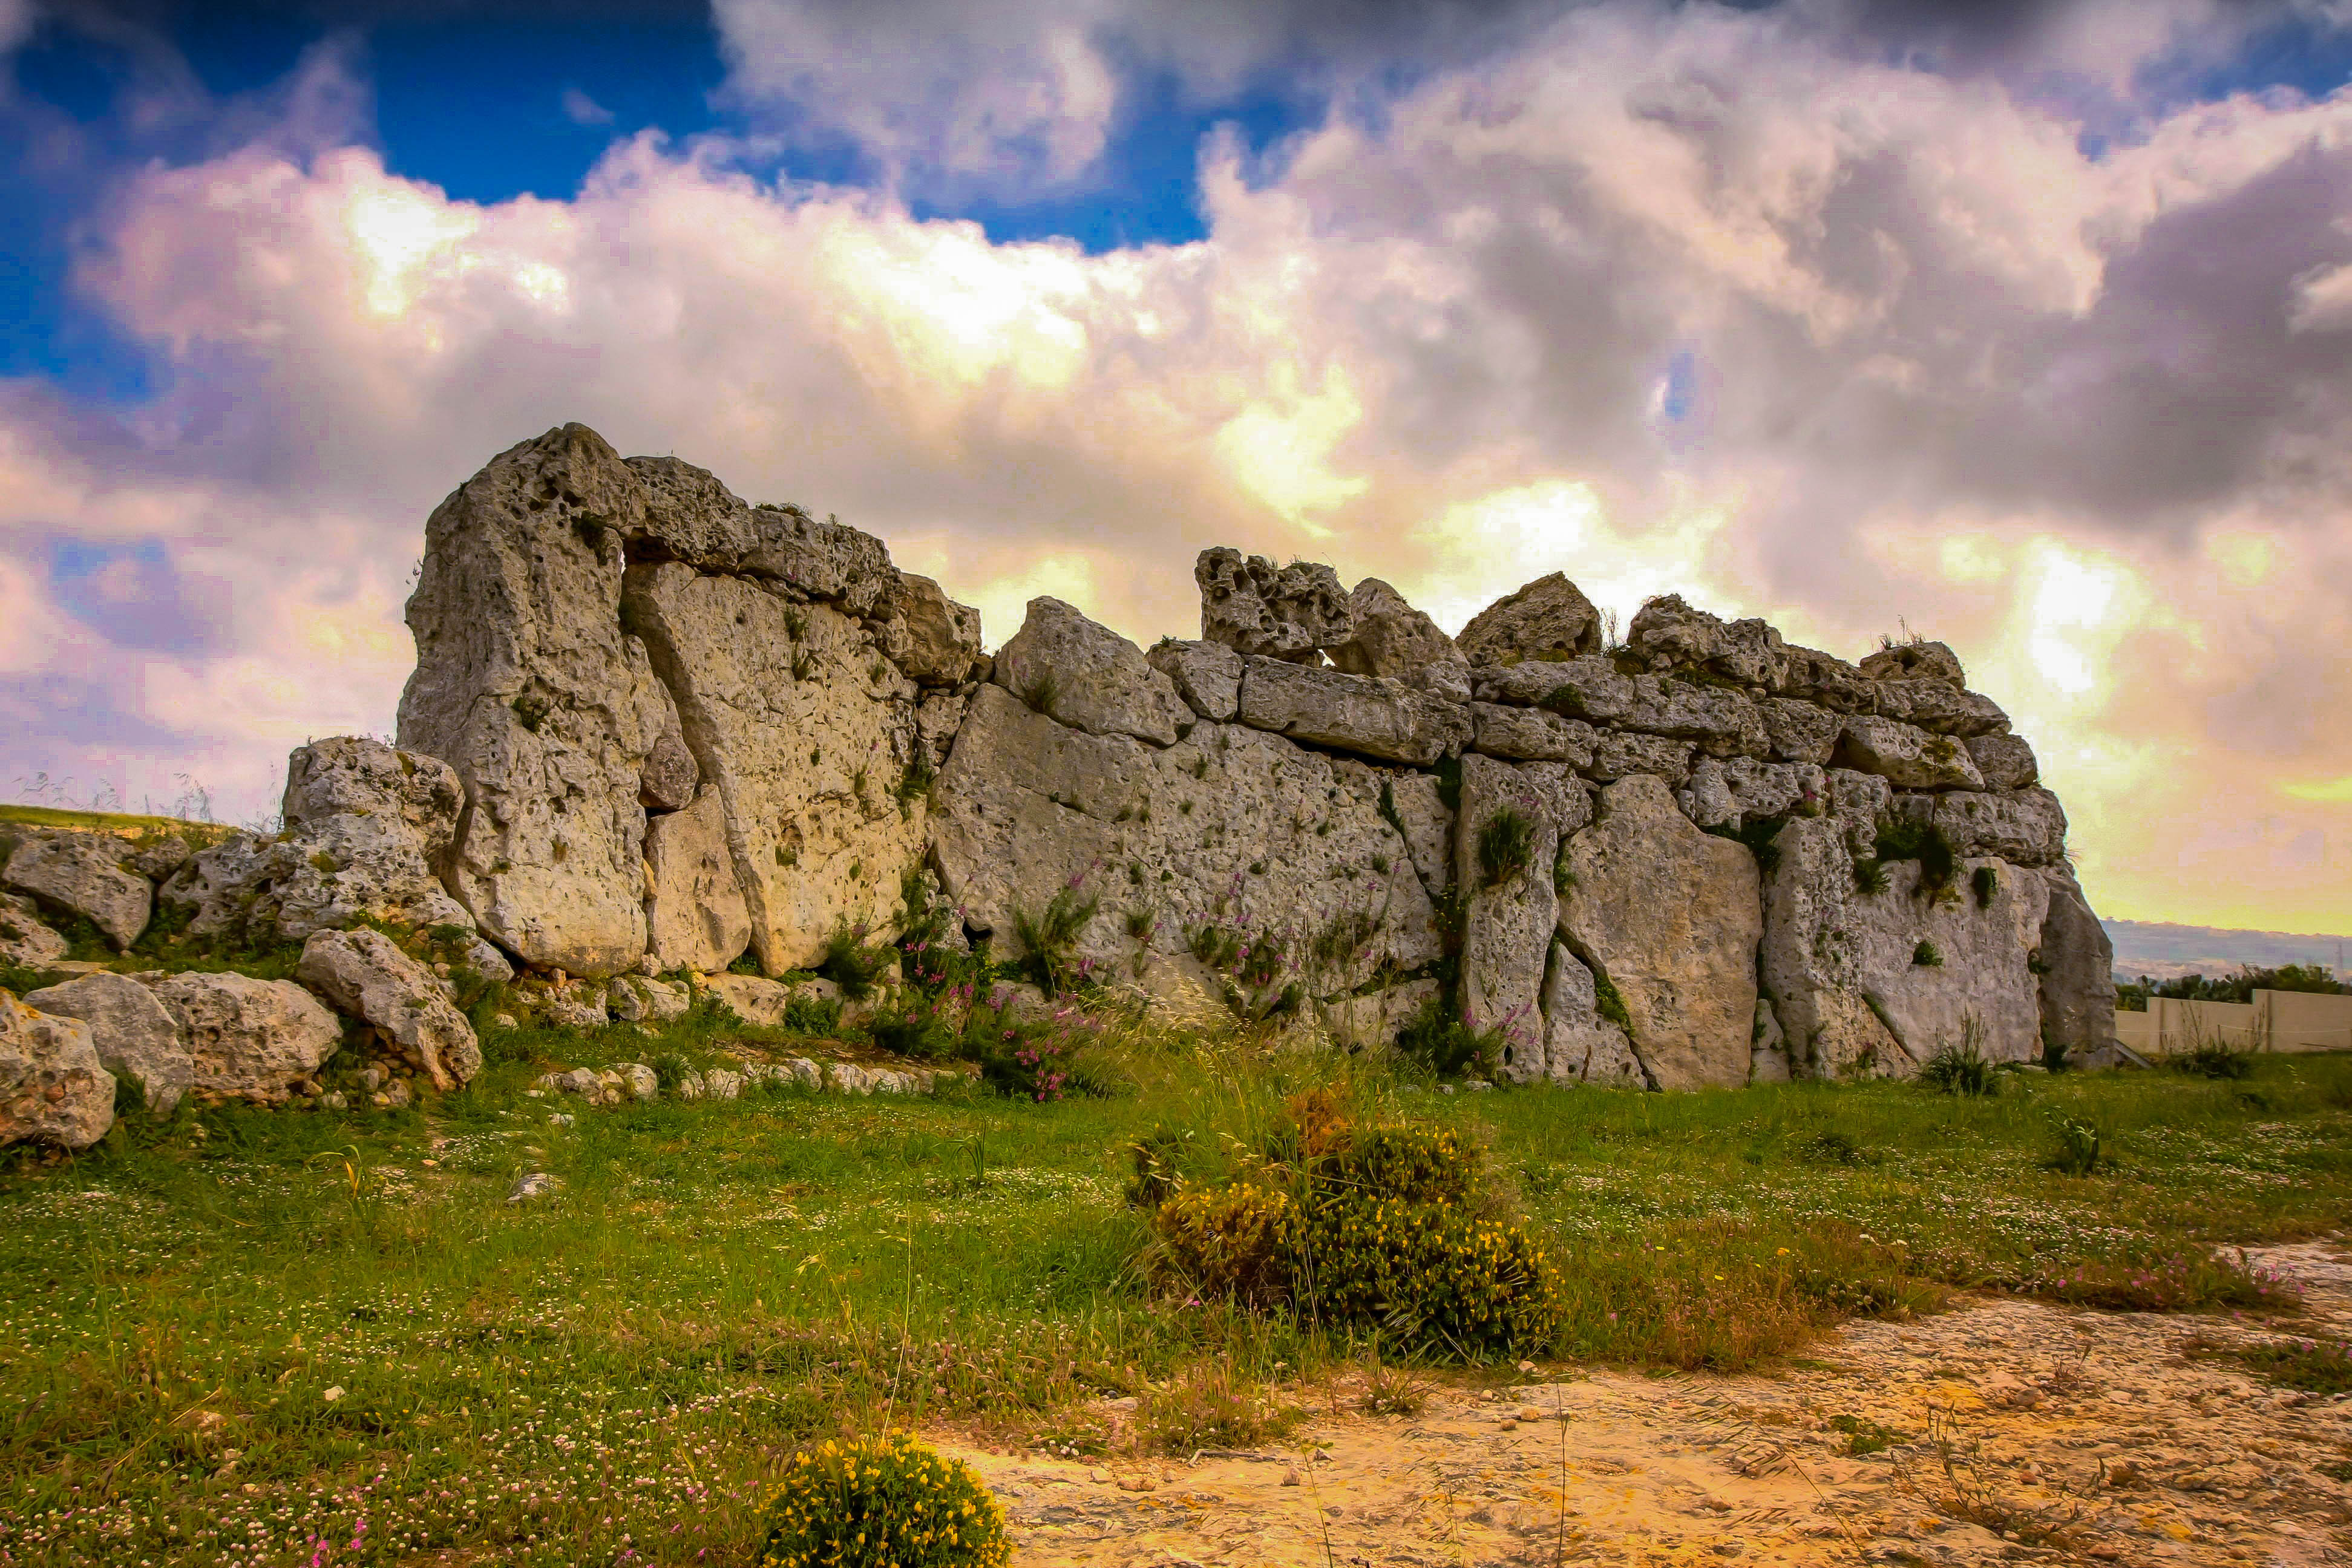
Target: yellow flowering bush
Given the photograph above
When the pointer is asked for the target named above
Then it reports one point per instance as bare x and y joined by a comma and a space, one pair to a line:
1428, 1272
1227, 1241
882, 1502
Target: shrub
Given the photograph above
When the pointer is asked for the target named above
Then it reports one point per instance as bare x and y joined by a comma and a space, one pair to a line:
805, 1014
880, 1501
1428, 1272
1563, 876
1757, 834
1985, 883
1447, 1046
1210, 1408
915, 1028
1417, 1165
1924, 842
2311, 1364
1049, 938
1869, 875
1926, 955
854, 964
2077, 1150
1506, 845
2214, 1059
1962, 1070
1228, 1241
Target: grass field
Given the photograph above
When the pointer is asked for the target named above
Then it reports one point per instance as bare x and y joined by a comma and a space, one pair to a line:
304, 1337
129, 825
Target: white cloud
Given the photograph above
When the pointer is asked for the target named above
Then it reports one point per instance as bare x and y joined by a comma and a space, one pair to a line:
1953, 370
581, 109
16, 19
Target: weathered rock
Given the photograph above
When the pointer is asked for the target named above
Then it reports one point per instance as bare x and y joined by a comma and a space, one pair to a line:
2006, 762
938, 718
1724, 723
1549, 619
1376, 717
805, 735
82, 874
580, 1005
1875, 983
1510, 909
669, 775
354, 776
247, 1039
1590, 689
1392, 638
1940, 708
1768, 1050
722, 1084
1372, 1021
2027, 827
1727, 794
1915, 660
1532, 735
1799, 731
364, 973
639, 1080
1672, 635
1813, 677
1669, 917
1416, 808
934, 640
1620, 756
1228, 830
25, 937
1089, 676
1252, 606
760, 1001
1580, 1046
159, 859
1906, 755
134, 1035
1207, 676
695, 915
2077, 990
633, 998
52, 1087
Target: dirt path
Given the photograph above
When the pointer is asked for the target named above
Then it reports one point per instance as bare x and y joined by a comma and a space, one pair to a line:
2015, 1432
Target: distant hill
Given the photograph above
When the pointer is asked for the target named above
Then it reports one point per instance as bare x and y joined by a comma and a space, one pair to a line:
2166, 952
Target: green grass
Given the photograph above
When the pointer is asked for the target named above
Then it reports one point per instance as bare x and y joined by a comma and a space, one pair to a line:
200, 835
614, 1374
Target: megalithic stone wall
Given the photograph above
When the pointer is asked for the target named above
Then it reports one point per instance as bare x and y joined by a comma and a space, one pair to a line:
688, 728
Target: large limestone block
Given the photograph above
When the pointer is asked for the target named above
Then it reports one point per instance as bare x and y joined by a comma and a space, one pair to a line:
1376, 717
1722, 722
1417, 809
805, 733
1392, 638
2027, 827
1253, 606
1861, 803
1089, 676
1588, 688
2006, 762
1231, 831
247, 1039
1672, 635
1580, 1046
1852, 986
363, 973
1208, 675
527, 685
1621, 755
82, 874
52, 1087
1669, 917
1727, 794
1532, 735
134, 1036
938, 718
1824, 679
1918, 660
1906, 755
1547, 619
695, 911
1940, 708
25, 937
2078, 964
668, 778
1510, 912
323, 874
355, 776
934, 640
1799, 731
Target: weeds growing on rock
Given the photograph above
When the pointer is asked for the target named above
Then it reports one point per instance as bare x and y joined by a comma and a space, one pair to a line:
1506, 845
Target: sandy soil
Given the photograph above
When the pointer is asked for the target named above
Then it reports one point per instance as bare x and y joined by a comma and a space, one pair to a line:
2019, 1432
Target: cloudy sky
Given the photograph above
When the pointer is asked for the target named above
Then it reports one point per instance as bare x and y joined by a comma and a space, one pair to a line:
2027, 326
